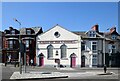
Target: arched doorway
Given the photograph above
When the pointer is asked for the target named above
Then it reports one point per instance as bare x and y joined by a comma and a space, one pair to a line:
41, 59
83, 61
73, 60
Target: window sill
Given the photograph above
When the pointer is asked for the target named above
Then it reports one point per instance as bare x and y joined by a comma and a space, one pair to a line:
64, 58
51, 58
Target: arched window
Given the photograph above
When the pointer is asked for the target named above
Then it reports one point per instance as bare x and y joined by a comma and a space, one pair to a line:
63, 51
50, 51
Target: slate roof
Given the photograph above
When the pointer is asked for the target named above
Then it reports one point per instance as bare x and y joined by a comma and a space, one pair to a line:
99, 35
35, 29
84, 34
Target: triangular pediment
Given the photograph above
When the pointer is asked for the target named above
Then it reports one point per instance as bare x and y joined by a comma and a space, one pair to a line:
58, 33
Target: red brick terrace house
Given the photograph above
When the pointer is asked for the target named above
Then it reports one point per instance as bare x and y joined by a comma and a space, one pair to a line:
10, 47
28, 35
10, 50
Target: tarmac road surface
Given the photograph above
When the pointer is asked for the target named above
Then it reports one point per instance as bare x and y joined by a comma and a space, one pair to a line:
8, 71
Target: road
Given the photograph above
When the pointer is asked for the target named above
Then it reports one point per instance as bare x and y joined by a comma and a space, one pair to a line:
8, 71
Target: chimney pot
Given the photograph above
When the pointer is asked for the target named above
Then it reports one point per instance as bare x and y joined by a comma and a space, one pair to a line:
95, 28
112, 29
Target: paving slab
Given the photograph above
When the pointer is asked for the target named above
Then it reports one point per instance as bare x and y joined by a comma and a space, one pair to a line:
37, 75
65, 69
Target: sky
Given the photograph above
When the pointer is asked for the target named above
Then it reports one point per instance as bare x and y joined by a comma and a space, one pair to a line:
74, 16
119, 17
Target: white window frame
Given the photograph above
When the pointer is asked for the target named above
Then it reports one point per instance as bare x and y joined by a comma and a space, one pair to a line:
94, 44
110, 48
92, 33
94, 59
84, 46
63, 51
28, 32
50, 51
113, 49
27, 42
13, 32
114, 37
11, 43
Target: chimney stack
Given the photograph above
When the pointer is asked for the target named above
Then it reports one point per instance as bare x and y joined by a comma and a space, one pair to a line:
10, 28
95, 28
112, 29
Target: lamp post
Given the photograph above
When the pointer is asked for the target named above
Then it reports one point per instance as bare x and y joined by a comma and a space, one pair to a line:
104, 48
20, 60
110, 60
24, 58
110, 57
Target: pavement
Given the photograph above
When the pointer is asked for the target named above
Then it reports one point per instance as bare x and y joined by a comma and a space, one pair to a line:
38, 75
11, 72
57, 74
